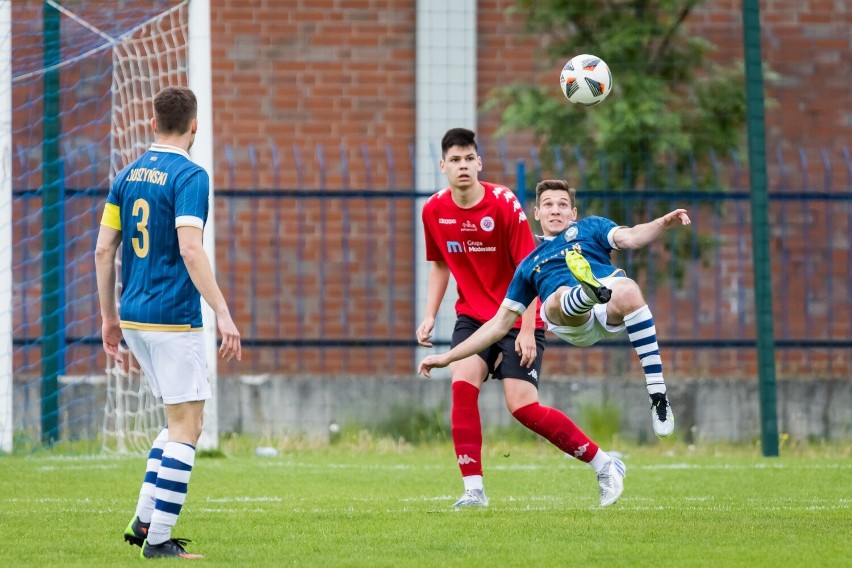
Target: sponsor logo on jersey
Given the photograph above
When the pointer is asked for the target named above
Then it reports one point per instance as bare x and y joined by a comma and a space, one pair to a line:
454, 246
487, 224
447, 221
477, 246
468, 226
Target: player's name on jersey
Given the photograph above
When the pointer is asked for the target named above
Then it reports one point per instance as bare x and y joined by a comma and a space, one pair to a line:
148, 175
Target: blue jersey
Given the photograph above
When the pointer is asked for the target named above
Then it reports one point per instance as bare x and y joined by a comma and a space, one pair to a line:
148, 201
544, 270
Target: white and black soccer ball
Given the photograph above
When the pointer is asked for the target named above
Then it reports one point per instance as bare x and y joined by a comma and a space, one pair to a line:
586, 80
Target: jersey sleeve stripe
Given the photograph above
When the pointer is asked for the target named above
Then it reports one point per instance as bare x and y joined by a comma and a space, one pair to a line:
611, 237
112, 216
513, 306
188, 221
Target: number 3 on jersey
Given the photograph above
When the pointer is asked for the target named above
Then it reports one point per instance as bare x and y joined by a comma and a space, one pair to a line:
140, 243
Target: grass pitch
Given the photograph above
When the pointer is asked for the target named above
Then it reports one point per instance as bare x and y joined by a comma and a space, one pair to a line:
384, 504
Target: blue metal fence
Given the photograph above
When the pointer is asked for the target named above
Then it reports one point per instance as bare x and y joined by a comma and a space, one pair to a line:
321, 276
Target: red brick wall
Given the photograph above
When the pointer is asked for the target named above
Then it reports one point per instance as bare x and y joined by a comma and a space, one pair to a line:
311, 72
343, 73
335, 74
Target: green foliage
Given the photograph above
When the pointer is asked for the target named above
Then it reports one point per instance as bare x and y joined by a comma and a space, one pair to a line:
602, 422
670, 109
415, 425
669, 99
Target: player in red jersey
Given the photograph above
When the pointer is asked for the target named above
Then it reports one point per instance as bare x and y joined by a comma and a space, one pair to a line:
478, 232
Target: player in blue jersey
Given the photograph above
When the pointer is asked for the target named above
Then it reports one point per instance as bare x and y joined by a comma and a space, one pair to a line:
584, 297
155, 213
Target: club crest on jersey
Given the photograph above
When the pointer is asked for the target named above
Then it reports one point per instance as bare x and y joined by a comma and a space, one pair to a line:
487, 224
571, 233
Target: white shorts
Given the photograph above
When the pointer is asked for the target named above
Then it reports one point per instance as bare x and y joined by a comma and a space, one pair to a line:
590, 332
174, 362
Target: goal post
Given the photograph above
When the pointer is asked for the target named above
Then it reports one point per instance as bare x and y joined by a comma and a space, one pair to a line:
6, 418
185, 29
201, 82
110, 66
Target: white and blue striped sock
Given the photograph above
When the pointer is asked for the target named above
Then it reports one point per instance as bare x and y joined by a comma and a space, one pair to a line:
145, 505
575, 302
643, 336
172, 484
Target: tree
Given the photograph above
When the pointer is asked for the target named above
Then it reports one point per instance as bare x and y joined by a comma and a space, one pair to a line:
670, 109
670, 102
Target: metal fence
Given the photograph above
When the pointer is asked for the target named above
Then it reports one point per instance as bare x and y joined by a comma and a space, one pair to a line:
321, 277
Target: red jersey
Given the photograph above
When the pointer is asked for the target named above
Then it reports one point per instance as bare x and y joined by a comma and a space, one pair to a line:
481, 245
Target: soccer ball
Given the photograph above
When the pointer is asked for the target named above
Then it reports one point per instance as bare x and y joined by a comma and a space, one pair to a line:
586, 80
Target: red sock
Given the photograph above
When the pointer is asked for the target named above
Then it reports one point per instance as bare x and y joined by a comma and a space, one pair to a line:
466, 428
558, 429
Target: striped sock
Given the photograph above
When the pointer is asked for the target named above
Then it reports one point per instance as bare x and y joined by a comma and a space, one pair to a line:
172, 483
575, 302
145, 505
643, 336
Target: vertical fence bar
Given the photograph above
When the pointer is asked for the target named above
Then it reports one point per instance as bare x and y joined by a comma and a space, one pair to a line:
279, 226
847, 160
346, 250
323, 260
718, 211
391, 270
301, 248
558, 161
254, 248
808, 211
232, 230
784, 185
694, 249
368, 252
521, 181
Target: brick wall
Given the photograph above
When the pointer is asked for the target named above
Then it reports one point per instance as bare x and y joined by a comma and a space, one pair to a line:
311, 72
342, 74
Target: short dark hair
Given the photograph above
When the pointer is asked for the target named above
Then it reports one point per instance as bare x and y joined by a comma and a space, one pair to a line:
458, 137
174, 109
558, 185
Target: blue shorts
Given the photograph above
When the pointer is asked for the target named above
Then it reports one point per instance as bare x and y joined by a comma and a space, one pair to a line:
502, 360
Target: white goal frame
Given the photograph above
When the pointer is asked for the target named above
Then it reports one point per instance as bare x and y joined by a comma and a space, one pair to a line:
6, 395
200, 81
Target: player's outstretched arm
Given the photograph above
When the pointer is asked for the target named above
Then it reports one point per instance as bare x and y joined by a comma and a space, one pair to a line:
490, 332
201, 273
644, 234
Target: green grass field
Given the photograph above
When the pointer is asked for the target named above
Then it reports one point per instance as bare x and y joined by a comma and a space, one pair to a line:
375, 503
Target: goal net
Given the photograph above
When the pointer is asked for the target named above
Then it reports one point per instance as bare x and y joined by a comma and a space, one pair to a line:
146, 59
83, 79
